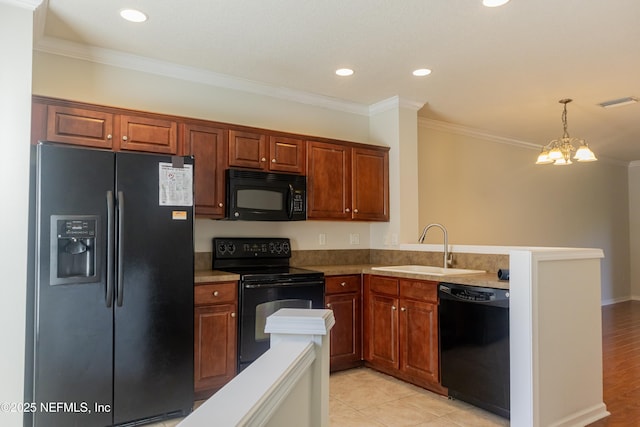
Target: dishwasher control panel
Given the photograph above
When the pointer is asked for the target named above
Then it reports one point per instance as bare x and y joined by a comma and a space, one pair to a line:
472, 293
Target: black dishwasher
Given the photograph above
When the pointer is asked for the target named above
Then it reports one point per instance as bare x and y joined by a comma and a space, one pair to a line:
474, 345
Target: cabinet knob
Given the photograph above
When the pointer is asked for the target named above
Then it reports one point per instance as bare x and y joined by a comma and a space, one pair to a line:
273, 160
109, 137
393, 307
403, 309
233, 314
347, 210
220, 204
355, 211
263, 159
124, 138
343, 284
328, 305
215, 293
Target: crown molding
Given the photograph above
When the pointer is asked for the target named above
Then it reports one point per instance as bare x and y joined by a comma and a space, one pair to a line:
480, 134
472, 132
393, 103
168, 69
25, 4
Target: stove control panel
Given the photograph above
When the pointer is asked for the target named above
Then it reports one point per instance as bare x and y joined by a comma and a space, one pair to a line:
243, 247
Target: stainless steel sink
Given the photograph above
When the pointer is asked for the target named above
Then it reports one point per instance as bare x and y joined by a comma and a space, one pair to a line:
427, 270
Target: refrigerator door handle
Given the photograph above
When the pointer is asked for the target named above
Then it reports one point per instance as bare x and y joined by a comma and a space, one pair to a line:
110, 254
120, 281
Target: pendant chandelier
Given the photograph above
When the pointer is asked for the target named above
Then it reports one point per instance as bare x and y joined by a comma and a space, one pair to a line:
559, 150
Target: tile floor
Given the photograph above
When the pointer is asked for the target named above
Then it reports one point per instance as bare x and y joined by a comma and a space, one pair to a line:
365, 398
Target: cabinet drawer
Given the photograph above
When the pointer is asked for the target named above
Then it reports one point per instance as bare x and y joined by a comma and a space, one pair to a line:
383, 285
214, 293
420, 290
342, 284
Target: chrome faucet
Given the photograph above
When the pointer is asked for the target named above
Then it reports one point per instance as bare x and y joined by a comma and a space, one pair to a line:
447, 255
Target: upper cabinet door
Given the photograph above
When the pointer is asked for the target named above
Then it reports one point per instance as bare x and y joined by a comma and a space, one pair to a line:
370, 185
328, 181
286, 154
207, 144
345, 182
247, 150
138, 133
79, 126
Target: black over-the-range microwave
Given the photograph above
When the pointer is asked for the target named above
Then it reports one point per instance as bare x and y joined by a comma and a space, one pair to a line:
265, 196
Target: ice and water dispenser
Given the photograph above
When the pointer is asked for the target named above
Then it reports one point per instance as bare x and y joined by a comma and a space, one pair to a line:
74, 249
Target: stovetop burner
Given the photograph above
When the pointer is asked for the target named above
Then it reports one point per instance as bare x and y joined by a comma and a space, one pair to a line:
258, 259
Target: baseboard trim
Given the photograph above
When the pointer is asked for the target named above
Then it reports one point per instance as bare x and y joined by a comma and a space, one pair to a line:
617, 300
584, 417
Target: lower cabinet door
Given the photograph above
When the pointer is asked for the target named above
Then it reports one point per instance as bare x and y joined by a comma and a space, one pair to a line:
419, 340
345, 335
214, 347
383, 331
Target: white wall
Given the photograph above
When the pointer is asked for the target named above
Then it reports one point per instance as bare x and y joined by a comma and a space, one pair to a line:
398, 127
490, 193
634, 227
16, 25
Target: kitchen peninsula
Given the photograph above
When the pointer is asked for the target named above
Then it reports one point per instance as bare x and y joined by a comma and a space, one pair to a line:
555, 323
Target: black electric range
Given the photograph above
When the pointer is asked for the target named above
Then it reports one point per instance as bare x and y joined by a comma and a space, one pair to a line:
267, 284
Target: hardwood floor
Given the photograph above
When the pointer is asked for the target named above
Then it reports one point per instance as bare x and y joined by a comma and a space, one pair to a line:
621, 363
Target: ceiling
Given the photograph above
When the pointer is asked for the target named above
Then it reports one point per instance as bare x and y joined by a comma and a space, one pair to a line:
498, 70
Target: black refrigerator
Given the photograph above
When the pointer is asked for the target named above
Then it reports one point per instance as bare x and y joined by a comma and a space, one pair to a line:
110, 293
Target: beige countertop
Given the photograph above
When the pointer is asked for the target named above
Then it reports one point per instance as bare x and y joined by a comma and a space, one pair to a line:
487, 280
212, 276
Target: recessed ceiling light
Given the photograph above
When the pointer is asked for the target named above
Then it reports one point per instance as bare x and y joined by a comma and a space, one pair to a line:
494, 3
133, 15
420, 72
344, 72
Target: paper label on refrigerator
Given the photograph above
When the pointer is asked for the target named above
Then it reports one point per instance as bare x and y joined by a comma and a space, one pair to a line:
175, 185
179, 215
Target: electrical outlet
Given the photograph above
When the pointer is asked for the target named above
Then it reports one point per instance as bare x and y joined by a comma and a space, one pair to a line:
394, 239
322, 239
354, 238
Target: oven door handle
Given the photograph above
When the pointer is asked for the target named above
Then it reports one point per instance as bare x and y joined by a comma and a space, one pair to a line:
281, 285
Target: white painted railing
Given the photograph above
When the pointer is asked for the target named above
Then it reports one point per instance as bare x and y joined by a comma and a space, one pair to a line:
287, 386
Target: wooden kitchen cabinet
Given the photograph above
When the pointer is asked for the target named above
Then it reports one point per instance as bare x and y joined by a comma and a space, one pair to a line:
96, 126
419, 330
346, 182
277, 153
401, 329
78, 126
343, 295
247, 149
208, 146
215, 336
370, 182
148, 134
287, 154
